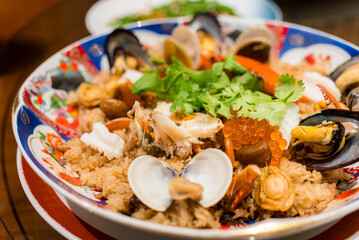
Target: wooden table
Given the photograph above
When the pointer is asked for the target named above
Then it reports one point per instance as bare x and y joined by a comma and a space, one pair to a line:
38, 31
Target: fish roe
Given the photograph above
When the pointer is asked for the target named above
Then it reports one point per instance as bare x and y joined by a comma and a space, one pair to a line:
244, 131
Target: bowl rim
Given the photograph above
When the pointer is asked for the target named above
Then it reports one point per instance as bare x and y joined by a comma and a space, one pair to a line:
280, 227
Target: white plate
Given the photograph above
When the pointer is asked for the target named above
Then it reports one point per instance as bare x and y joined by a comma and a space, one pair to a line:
103, 12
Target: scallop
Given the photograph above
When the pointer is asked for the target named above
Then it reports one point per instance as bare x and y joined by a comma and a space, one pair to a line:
149, 178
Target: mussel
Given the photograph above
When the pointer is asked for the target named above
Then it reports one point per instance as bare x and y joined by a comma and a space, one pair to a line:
124, 48
149, 179
352, 100
329, 141
346, 76
207, 23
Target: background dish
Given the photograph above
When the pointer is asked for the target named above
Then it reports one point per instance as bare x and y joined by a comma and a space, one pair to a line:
85, 56
103, 12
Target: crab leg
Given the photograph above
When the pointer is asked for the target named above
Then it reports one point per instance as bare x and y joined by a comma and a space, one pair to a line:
329, 98
242, 184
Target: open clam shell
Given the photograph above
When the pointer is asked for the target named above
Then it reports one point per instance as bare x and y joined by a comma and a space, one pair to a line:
213, 170
149, 178
254, 43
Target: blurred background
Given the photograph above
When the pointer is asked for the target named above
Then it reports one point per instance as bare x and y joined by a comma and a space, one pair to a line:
33, 30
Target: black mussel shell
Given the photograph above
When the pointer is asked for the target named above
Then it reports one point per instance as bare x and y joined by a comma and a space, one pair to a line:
67, 81
340, 70
126, 42
352, 100
342, 67
208, 23
349, 154
234, 35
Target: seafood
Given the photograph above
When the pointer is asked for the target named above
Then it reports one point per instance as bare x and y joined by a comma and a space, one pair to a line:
346, 76
211, 169
181, 189
202, 35
353, 100
274, 190
124, 51
254, 43
148, 171
184, 45
242, 184
327, 139
90, 96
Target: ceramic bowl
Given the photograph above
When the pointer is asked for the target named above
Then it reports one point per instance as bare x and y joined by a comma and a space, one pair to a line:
40, 120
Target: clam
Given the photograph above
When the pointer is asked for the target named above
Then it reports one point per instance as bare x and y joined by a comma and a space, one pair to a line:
254, 43
184, 45
346, 76
202, 34
213, 170
124, 50
149, 178
331, 140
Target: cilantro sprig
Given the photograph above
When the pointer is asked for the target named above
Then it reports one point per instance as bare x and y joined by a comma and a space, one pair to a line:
217, 93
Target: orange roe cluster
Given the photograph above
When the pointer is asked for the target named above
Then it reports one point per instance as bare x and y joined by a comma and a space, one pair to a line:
242, 131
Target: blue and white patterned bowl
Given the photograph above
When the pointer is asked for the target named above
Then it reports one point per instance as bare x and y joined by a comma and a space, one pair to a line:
41, 120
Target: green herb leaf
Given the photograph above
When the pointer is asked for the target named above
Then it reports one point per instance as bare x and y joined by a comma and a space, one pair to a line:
157, 60
249, 81
232, 65
213, 91
288, 91
151, 82
272, 111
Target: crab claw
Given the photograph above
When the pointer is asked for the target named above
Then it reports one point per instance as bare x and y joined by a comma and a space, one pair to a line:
329, 98
242, 184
